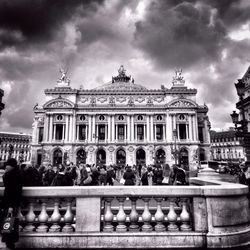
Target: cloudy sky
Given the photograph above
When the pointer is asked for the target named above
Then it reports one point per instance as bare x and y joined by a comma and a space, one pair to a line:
209, 40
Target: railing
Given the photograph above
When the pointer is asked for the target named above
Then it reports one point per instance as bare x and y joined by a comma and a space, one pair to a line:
210, 214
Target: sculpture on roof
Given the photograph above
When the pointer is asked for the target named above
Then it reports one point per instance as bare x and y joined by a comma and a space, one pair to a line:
178, 79
121, 71
64, 78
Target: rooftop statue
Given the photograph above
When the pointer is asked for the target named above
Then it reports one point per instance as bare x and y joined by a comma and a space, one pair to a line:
178, 79
63, 81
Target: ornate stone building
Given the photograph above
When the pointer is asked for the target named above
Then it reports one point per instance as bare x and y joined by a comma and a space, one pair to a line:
121, 123
1, 104
226, 146
16, 145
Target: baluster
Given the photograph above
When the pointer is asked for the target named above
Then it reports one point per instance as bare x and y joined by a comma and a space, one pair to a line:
172, 217
108, 216
30, 219
159, 217
55, 218
146, 217
185, 217
134, 216
21, 219
121, 216
43, 219
68, 218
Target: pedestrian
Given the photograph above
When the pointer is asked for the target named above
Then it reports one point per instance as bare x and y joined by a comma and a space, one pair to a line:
12, 181
86, 179
144, 178
180, 176
94, 176
158, 175
62, 177
48, 176
110, 175
129, 177
30, 176
103, 176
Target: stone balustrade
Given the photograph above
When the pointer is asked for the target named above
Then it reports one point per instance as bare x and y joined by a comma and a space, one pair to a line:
207, 213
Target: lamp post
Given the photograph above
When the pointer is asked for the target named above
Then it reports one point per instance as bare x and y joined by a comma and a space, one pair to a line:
242, 130
175, 151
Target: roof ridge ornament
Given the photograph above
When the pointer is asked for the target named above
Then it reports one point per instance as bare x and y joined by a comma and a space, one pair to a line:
178, 79
122, 77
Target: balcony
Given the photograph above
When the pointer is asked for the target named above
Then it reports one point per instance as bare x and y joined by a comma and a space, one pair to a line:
207, 214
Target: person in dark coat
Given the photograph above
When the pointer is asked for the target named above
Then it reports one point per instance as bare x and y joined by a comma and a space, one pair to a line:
12, 181
158, 175
129, 177
62, 178
30, 176
48, 176
110, 175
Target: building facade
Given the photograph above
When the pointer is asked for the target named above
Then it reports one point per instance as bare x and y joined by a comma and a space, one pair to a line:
1, 103
121, 123
226, 146
16, 145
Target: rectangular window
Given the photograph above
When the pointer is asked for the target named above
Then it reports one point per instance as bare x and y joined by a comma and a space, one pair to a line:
121, 132
40, 134
101, 132
200, 133
82, 132
182, 131
140, 132
159, 132
59, 131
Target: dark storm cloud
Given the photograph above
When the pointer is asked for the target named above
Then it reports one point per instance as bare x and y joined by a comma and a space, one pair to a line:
39, 20
180, 35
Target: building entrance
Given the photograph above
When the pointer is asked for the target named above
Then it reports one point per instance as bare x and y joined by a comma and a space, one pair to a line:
81, 156
140, 157
57, 157
101, 157
160, 157
184, 162
121, 157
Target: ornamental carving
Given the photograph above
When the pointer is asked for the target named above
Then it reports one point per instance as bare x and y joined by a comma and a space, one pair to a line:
131, 149
102, 99
111, 149
158, 99
140, 99
182, 103
93, 101
150, 101
121, 99
91, 149
112, 100
59, 104
83, 99
131, 101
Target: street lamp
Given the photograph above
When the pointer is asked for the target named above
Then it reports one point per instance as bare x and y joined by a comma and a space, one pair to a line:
175, 151
242, 130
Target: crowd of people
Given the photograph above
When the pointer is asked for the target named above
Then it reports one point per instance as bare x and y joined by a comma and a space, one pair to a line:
87, 175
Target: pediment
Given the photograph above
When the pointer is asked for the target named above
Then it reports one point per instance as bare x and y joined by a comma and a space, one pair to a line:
58, 103
182, 103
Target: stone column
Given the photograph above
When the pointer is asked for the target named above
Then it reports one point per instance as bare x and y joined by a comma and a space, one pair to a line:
190, 128
54, 132
77, 132
116, 132
152, 128
50, 127
196, 127
132, 129
109, 128
74, 127
125, 132
129, 130
136, 138
164, 131
63, 132
46, 128
167, 128
113, 128
70, 128
155, 132
148, 130
144, 132
93, 126
89, 130
97, 133
106, 132
66, 128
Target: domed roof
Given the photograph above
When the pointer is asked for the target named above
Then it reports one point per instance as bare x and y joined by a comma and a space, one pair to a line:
121, 86
122, 82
